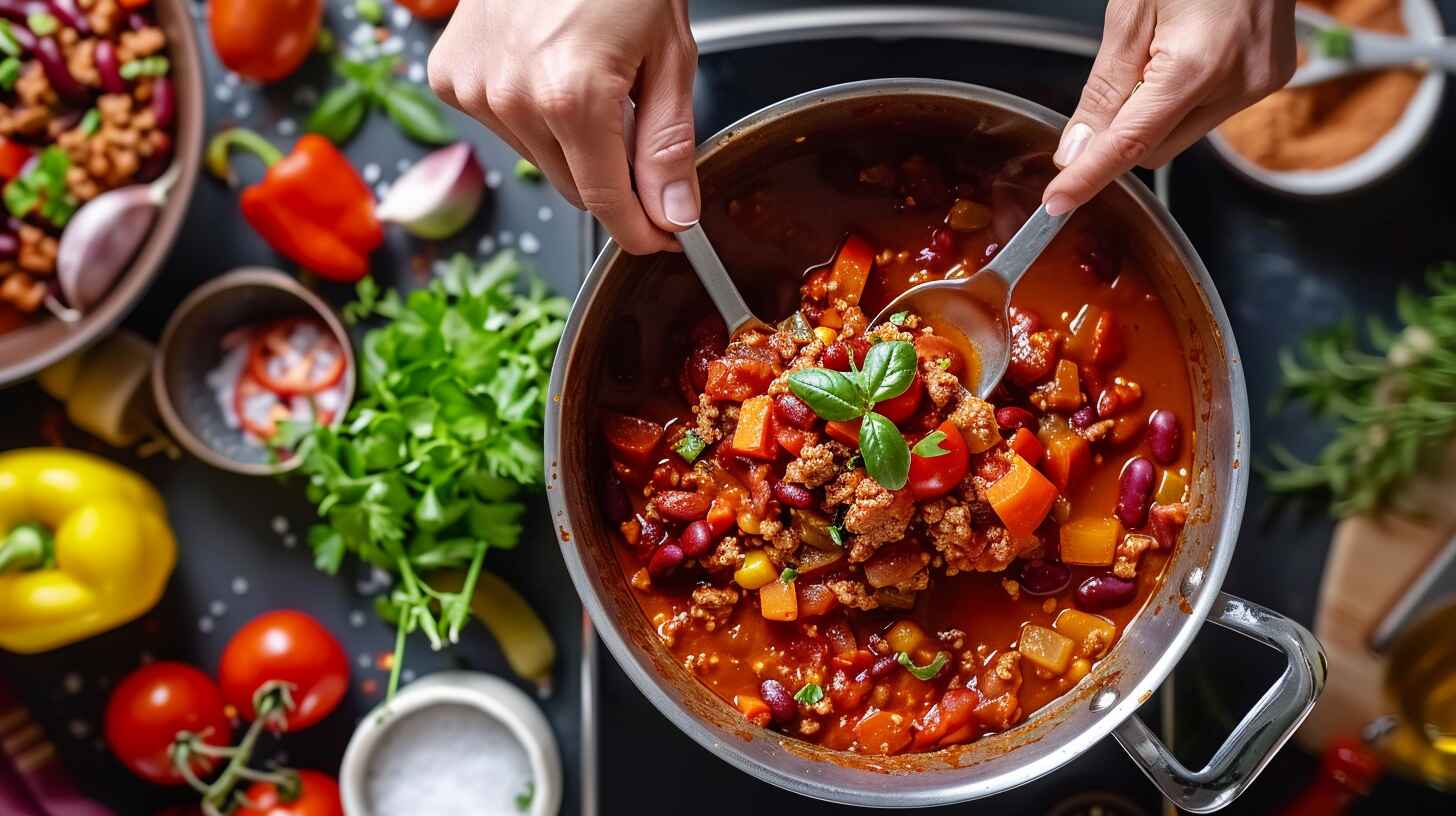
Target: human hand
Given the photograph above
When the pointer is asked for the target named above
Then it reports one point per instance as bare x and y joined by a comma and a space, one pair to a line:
1192, 63
556, 78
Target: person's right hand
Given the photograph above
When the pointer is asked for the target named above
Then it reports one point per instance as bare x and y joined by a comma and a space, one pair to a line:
556, 78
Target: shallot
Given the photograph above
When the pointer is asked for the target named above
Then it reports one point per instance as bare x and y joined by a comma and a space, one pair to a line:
439, 195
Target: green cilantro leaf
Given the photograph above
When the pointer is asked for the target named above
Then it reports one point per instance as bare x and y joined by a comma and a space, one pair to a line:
690, 447
810, 694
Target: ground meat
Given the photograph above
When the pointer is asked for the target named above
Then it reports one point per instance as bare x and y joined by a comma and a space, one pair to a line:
104, 16
808, 357
976, 420
728, 555
143, 42
667, 628
853, 594
888, 331
784, 345
22, 291
1128, 552
770, 528
24, 121
949, 525
877, 516
817, 464
785, 542
841, 490
942, 386
1096, 430
37, 251
1001, 549
32, 87
708, 416
81, 60
713, 605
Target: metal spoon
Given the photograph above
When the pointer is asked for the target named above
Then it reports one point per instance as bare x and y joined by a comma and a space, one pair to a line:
979, 306
1369, 51
715, 279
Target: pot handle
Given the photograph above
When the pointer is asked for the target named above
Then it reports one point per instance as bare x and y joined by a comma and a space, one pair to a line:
1263, 730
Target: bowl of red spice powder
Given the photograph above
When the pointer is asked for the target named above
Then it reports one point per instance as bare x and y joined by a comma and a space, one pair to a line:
1340, 136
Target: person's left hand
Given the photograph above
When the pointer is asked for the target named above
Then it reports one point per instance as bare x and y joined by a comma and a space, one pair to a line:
1192, 63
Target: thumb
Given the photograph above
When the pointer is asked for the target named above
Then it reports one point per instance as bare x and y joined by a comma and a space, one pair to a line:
1127, 33
665, 148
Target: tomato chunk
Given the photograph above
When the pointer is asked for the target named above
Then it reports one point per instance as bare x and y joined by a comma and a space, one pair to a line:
935, 476
898, 409
953, 712
631, 438
852, 264
735, 379
883, 732
754, 434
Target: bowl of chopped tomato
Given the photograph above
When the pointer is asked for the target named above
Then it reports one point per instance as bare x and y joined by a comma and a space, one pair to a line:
822, 557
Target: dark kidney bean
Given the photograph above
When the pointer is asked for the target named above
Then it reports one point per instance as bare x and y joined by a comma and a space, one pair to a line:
793, 411
680, 505
836, 356
1105, 592
780, 702
710, 333
1083, 417
1135, 492
70, 15
653, 535
1165, 436
615, 504
1012, 418
58, 73
696, 539
883, 666
664, 560
794, 495
697, 365
1044, 577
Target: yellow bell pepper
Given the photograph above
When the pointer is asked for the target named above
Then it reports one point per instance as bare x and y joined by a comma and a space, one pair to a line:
84, 547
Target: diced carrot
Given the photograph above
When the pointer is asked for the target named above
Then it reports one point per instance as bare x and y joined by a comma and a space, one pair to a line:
1092, 634
1022, 498
779, 601
846, 432
831, 319
931, 347
1090, 542
735, 379
952, 713
1027, 446
815, 599
1096, 338
631, 438
756, 710
1068, 456
1064, 393
852, 264
882, 732
754, 434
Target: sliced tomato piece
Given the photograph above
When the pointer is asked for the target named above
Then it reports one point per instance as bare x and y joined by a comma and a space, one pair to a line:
297, 356
935, 476
258, 407
846, 432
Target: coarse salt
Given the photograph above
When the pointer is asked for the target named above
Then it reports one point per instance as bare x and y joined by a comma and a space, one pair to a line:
448, 760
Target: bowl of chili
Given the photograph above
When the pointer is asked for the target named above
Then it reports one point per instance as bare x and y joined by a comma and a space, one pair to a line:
709, 634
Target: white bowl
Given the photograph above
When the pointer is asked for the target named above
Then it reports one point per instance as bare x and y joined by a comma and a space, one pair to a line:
490, 695
1393, 150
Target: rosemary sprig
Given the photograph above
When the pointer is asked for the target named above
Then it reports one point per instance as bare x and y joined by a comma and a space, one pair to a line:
1394, 408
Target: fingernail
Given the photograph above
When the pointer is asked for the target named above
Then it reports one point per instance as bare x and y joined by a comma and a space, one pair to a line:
679, 205
1059, 204
1074, 141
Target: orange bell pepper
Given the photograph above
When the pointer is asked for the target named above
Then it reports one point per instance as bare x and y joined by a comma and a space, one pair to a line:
852, 264
1027, 446
754, 434
1021, 498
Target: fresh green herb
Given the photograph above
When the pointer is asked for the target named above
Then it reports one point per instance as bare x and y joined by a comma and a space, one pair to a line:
369, 84
855, 461
43, 189
889, 368
9, 72
899, 318
929, 446
944, 363
836, 534
810, 694
926, 672
887, 459
8, 44
525, 171
426, 470
1395, 410
42, 24
832, 395
525, 797
788, 575
690, 447
90, 123
146, 67
1336, 42
370, 11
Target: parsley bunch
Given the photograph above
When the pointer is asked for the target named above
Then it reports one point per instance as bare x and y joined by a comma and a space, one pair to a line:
889, 369
426, 469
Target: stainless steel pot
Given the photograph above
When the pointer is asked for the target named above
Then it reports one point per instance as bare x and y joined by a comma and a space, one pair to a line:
1105, 701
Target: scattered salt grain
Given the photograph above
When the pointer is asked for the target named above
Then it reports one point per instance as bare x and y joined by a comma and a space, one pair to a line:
493, 179
240, 585
217, 609
530, 244
290, 541
243, 109
448, 760
545, 213
417, 72
224, 93
357, 619
371, 172
403, 164
486, 245
204, 625
73, 683
287, 126
506, 238
279, 524
80, 729
400, 17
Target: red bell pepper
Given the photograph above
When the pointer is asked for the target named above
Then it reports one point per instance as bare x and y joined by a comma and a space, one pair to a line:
311, 206
13, 158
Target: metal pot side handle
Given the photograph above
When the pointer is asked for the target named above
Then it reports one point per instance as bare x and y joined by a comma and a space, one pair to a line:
1263, 730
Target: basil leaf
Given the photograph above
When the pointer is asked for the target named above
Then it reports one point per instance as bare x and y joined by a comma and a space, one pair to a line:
416, 113
832, 395
341, 111
888, 370
929, 447
810, 694
929, 670
887, 458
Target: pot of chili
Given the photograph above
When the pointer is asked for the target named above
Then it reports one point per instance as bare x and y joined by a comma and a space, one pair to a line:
924, 597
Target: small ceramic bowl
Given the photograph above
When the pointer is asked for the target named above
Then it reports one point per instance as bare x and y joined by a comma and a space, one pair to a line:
191, 346
488, 694
1389, 154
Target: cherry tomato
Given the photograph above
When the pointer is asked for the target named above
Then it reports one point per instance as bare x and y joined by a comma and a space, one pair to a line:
934, 476
430, 9
318, 795
150, 707
278, 362
898, 409
265, 40
289, 647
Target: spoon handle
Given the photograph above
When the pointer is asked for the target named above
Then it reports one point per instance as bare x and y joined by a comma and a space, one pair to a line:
1026, 246
710, 271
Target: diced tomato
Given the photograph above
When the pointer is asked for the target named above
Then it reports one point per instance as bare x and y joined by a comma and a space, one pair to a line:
898, 409
792, 440
815, 599
13, 157
935, 476
1096, 338
846, 432
842, 644
735, 379
1027, 446
722, 517
932, 347
258, 407
847, 691
1024, 321
836, 355
895, 563
298, 356
632, 439
852, 264
998, 713
952, 713
1032, 356
882, 732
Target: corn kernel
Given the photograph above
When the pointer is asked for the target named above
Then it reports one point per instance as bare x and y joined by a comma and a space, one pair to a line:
826, 335
757, 571
1078, 669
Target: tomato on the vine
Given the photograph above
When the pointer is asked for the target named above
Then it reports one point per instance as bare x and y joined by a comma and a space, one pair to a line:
430, 9
318, 795
265, 40
288, 647
935, 476
151, 706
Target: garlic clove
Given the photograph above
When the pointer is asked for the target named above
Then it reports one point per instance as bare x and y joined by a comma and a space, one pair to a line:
99, 242
439, 195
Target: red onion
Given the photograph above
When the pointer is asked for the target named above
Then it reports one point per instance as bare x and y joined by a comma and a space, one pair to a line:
439, 195
101, 238
67, 12
164, 101
58, 72
24, 37
109, 67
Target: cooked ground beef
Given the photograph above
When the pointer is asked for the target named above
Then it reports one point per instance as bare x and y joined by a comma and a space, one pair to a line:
877, 516
853, 594
817, 464
712, 605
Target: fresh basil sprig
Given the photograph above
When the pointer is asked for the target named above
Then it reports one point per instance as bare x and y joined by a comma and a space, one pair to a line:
888, 370
370, 84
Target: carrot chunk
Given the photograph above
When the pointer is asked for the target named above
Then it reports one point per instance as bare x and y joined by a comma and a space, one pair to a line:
1022, 498
754, 434
852, 264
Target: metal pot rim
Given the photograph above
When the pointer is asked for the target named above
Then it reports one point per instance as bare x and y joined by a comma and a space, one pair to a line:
1112, 706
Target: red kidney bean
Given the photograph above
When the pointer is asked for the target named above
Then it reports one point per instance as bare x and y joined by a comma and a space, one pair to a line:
697, 365
793, 411
1105, 592
19, 11
664, 560
1134, 492
710, 333
697, 539
941, 239
57, 72
1041, 577
681, 505
68, 14
836, 356
9, 245
780, 702
1082, 417
164, 101
1012, 418
794, 495
1165, 436
883, 666
615, 504
1025, 320
653, 535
